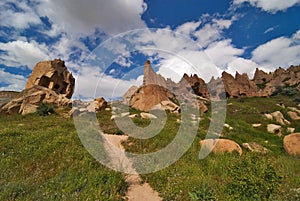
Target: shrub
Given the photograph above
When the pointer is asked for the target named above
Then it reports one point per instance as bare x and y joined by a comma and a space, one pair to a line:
45, 110
286, 91
253, 179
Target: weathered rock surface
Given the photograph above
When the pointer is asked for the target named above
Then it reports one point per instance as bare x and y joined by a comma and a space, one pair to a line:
255, 147
220, 146
127, 96
146, 97
291, 144
168, 106
151, 78
145, 115
28, 100
50, 83
240, 86
261, 77
53, 75
278, 116
275, 129
293, 115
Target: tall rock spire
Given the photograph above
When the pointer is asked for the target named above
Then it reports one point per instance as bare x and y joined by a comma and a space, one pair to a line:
150, 77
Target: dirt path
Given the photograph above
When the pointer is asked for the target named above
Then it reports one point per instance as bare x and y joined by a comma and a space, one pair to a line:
136, 190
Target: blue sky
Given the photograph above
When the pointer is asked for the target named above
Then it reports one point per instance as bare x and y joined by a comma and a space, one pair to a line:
191, 36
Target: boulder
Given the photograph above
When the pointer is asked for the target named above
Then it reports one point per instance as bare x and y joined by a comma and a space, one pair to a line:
100, 104
28, 100
145, 115
220, 146
255, 147
256, 125
290, 130
53, 75
278, 116
291, 144
167, 105
275, 129
293, 115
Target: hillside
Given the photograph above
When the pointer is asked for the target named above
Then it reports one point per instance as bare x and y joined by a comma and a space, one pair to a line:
43, 158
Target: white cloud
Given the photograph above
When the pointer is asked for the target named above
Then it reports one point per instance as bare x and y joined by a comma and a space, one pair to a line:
91, 82
21, 53
13, 82
242, 65
81, 17
20, 19
280, 51
223, 52
271, 6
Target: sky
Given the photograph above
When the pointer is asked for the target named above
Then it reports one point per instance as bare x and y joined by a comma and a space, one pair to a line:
105, 43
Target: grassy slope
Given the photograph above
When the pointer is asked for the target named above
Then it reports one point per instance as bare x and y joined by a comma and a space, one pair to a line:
42, 158
214, 177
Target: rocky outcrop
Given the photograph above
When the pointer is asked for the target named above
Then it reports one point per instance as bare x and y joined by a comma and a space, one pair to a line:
293, 115
240, 86
151, 78
29, 99
261, 77
197, 84
127, 96
291, 144
221, 146
146, 97
50, 83
53, 75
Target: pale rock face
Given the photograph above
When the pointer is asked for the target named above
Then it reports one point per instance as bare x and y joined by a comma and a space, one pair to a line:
220, 146
53, 75
291, 144
127, 96
293, 115
145, 115
275, 129
278, 116
29, 99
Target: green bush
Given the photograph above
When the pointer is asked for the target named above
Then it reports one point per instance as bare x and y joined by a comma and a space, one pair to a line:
253, 179
45, 110
286, 91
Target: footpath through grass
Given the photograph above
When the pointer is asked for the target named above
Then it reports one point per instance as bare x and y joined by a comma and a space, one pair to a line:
42, 158
252, 176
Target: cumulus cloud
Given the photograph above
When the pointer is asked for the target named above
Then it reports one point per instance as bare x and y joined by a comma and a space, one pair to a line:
242, 65
282, 51
91, 83
23, 53
270, 6
223, 52
19, 18
12, 82
80, 17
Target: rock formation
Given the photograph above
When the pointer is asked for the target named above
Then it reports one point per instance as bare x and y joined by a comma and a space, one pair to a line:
156, 92
50, 83
291, 144
151, 78
240, 86
127, 96
53, 75
29, 99
146, 97
221, 146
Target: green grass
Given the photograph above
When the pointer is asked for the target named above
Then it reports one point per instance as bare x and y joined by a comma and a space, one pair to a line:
213, 178
42, 158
